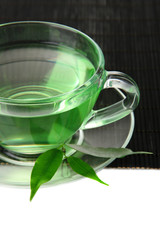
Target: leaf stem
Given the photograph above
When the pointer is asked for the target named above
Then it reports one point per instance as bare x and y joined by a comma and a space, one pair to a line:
64, 152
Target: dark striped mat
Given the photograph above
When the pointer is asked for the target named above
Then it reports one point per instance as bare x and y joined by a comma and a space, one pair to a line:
128, 31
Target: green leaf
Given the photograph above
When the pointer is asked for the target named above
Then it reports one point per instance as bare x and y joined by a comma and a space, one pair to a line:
105, 152
83, 168
44, 169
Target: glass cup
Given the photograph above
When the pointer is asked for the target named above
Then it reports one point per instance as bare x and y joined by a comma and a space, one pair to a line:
50, 78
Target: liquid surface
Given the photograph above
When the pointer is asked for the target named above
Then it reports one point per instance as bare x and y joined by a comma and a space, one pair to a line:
35, 72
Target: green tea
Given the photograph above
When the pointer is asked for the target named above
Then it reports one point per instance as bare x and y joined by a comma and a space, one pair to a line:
37, 72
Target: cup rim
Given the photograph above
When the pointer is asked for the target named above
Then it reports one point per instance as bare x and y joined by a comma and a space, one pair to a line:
90, 81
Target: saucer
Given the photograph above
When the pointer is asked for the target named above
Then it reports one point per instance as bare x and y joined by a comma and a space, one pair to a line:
115, 135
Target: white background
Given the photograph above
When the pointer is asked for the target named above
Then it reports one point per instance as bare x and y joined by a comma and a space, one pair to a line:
85, 209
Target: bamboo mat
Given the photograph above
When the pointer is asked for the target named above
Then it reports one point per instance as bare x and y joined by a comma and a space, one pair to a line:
128, 31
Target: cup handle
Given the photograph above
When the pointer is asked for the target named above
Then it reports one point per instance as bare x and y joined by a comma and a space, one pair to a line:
114, 112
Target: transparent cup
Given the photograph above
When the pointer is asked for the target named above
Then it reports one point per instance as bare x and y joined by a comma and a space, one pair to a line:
50, 78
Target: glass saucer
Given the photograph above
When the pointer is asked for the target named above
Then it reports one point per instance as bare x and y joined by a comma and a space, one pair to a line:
117, 134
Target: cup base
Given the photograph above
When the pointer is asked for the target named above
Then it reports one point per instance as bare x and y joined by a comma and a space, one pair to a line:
29, 160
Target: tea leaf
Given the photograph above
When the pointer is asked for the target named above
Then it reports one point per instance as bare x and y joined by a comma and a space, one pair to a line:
44, 169
84, 169
105, 152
